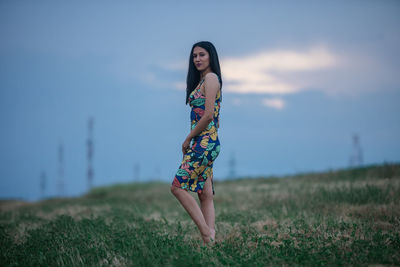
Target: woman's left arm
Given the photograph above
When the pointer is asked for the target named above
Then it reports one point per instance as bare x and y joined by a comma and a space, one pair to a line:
211, 87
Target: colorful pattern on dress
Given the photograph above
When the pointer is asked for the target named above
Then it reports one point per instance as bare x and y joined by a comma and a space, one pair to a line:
197, 164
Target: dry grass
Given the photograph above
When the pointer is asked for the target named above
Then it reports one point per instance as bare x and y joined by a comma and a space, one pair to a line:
340, 218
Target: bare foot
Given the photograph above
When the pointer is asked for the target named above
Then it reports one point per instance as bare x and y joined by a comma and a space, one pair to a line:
206, 239
210, 238
212, 234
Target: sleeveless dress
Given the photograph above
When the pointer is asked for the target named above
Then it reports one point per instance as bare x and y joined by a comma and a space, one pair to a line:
197, 164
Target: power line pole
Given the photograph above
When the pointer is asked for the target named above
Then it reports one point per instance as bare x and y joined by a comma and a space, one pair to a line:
157, 172
136, 172
43, 183
232, 166
356, 157
89, 142
61, 169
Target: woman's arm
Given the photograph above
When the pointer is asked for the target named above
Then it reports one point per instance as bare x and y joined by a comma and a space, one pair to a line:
211, 86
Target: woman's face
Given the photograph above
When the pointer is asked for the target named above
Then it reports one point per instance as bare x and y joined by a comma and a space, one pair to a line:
201, 58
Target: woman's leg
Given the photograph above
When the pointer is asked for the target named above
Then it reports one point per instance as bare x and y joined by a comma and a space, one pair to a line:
207, 206
190, 205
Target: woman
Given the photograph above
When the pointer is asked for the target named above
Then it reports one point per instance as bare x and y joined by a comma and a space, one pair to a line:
195, 172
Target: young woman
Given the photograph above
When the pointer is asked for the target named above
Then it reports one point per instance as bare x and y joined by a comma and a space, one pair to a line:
203, 93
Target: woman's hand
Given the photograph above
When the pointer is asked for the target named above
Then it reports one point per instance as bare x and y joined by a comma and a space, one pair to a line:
185, 145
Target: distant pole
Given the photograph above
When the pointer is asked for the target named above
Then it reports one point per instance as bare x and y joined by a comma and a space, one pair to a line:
356, 157
136, 172
61, 170
90, 172
42, 183
232, 166
157, 172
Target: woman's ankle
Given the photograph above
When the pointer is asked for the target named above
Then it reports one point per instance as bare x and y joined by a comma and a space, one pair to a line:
206, 235
212, 233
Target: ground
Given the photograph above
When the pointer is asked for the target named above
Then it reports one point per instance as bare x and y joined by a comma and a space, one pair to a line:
341, 217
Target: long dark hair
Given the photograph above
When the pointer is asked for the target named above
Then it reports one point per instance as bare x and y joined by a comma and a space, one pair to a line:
193, 76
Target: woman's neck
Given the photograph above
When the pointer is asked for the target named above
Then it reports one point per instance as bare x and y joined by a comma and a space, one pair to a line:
204, 73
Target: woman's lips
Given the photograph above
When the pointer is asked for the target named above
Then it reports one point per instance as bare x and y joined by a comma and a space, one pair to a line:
198, 65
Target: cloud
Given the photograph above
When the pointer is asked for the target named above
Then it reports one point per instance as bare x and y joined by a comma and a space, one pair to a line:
348, 71
180, 85
264, 72
236, 101
273, 72
276, 103
176, 65
267, 72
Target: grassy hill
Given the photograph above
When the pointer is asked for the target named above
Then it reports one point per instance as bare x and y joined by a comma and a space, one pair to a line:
343, 217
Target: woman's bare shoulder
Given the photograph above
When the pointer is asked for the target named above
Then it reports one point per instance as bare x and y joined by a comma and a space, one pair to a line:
211, 76
212, 79
211, 84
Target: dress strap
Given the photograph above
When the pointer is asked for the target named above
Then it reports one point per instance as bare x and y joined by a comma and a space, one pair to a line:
219, 79
201, 82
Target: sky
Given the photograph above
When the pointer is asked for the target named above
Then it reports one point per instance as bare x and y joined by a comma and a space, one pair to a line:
300, 79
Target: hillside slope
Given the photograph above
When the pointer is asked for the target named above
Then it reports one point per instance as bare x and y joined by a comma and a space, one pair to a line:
342, 217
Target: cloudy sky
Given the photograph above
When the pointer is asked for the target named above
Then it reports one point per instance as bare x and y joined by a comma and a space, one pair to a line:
299, 80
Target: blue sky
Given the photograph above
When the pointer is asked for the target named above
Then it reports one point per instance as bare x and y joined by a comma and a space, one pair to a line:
299, 80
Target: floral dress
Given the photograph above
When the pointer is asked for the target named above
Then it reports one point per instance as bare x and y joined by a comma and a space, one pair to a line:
197, 164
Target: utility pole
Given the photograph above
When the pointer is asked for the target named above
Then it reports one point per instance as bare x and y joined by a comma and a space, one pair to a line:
232, 166
60, 170
157, 172
89, 143
356, 157
136, 172
42, 183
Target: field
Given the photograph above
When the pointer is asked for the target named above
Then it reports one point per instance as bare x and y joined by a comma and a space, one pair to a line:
341, 217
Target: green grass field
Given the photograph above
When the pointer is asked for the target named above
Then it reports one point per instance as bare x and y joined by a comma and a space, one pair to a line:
344, 217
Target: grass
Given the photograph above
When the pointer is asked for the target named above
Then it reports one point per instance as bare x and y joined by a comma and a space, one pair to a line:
343, 217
